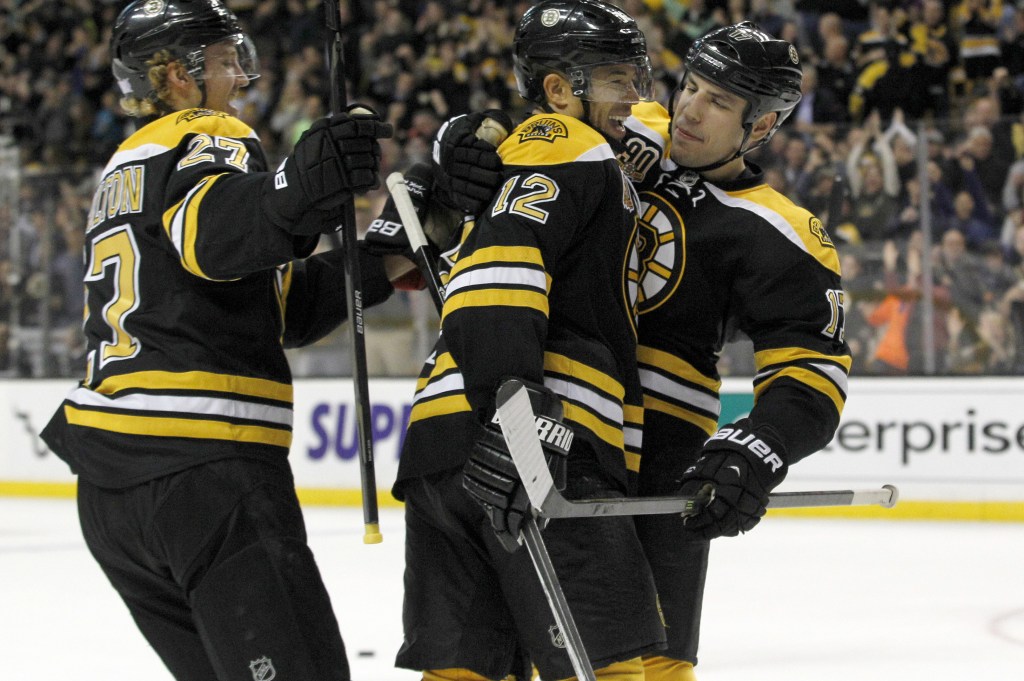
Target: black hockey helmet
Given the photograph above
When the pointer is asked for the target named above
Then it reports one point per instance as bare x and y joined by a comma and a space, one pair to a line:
571, 37
183, 28
745, 60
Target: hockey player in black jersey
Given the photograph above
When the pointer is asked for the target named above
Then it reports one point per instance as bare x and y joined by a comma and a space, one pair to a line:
542, 288
197, 280
724, 253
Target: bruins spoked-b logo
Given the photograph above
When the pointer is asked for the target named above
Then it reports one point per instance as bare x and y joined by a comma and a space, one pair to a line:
661, 246
546, 129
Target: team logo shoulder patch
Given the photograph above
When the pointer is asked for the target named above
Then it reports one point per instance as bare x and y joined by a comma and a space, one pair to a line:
194, 114
546, 129
818, 230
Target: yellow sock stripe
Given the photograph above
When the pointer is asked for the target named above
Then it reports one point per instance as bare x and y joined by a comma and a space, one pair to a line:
177, 427
627, 670
197, 380
660, 668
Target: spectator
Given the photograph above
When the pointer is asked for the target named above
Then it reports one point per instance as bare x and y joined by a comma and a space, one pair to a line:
958, 271
934, 44
966, 221
979, 40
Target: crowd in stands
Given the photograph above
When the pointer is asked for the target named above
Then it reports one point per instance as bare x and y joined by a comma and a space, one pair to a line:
934, 286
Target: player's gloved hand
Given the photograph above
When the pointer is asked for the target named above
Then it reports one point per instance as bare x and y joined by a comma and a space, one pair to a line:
743, 465
490, 476
338, 156
468, 168
387, 234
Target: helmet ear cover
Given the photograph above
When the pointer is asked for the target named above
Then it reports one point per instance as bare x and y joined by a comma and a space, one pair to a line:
572, 38
181, 28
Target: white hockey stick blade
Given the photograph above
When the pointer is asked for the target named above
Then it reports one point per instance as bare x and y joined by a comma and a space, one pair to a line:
517, 425
534, 542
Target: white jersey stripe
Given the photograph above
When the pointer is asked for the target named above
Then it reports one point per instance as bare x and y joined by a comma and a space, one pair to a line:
185, 405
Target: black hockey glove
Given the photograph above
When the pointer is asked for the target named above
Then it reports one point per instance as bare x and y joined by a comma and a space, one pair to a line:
743, 465
490, 476
468, 168
335, 158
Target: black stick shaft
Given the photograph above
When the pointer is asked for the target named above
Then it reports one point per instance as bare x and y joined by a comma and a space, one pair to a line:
354, 294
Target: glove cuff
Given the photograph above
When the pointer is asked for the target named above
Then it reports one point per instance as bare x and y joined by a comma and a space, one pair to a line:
759, 445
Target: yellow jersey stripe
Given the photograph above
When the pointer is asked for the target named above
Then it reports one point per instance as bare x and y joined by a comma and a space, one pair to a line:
495, 298
677, 367
178, 427
808, 378
442, 406
708, 425
611, 434
197, 380
767, 358
181, 222
528, 255
561, 364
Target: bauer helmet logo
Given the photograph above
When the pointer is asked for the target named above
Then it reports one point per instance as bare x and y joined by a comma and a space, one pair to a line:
549, 17
262, 669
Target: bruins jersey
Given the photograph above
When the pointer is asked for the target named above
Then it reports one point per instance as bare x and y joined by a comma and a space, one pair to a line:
717, 258
543, 288
191, 296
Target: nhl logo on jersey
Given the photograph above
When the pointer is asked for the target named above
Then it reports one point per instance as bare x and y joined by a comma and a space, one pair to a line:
557, 639
546, 129
262, 669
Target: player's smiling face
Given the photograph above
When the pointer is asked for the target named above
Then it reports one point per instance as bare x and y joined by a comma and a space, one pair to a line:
613, 93
223, 76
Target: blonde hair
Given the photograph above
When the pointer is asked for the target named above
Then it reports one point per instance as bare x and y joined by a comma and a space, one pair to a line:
156, 102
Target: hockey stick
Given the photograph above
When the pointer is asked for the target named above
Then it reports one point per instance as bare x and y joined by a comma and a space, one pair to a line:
520, 430
354, 294
531, 536
417, 239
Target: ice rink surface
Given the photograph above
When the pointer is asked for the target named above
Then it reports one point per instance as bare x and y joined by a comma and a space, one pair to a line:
797, 599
